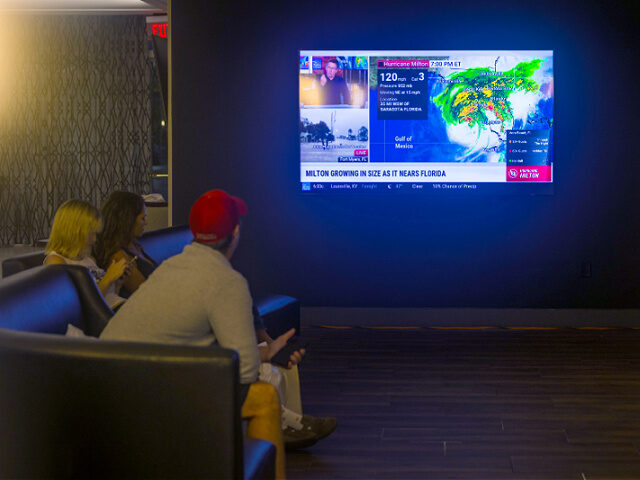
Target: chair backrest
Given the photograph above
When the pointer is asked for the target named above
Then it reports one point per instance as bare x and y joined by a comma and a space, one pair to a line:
79, 408
13, 265
159, 244
47, 298
166, 242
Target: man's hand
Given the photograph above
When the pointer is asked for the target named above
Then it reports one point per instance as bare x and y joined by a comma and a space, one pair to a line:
263, 336
323, 80
266, 353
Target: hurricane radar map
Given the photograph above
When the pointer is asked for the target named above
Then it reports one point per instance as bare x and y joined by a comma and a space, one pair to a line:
426, 120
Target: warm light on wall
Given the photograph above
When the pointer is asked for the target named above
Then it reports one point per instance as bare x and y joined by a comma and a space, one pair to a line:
14, 48
80, 5
7, 67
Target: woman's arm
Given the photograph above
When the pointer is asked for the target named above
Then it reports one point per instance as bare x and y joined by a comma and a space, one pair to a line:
113, 273
135, 278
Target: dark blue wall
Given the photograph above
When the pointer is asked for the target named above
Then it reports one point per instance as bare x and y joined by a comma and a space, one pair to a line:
235, 94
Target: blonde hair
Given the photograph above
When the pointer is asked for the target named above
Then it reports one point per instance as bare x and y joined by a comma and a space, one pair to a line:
73, 222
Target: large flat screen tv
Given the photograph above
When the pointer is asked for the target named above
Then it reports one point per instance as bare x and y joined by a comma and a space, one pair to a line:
426, 121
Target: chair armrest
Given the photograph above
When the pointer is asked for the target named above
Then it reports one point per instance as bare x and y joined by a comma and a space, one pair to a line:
279, 313
259, 459
95, 310
46, 298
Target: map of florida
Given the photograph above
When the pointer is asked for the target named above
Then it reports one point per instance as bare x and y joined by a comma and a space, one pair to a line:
473, 93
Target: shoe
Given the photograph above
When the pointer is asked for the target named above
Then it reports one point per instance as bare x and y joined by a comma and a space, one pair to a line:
321, 426
295, 439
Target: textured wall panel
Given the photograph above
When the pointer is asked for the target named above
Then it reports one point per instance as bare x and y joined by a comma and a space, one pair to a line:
74, 116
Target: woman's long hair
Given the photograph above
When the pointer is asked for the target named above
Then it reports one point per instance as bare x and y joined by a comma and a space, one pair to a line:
73, 222
119, 215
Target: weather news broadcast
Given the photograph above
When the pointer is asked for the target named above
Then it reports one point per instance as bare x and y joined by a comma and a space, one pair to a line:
426, 121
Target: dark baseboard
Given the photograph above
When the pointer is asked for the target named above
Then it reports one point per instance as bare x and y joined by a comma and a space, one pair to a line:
469, 317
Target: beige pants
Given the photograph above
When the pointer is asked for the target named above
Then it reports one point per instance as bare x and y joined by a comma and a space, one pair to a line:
287, 383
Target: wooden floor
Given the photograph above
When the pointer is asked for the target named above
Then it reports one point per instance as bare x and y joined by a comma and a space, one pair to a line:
473, 404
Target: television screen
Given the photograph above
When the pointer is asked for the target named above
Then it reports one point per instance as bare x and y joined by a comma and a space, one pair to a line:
426, 121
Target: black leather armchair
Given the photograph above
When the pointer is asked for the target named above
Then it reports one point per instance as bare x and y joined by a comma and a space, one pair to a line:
279, 312
85, 408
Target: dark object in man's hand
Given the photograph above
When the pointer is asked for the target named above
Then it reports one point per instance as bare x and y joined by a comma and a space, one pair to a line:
283, 357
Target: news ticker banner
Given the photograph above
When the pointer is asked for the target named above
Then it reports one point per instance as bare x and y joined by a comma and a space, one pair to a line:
423, 173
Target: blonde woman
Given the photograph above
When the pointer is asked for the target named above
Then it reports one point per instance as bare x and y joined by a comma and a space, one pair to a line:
75, 227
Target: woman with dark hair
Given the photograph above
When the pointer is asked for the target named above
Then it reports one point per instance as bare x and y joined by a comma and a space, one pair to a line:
124, 217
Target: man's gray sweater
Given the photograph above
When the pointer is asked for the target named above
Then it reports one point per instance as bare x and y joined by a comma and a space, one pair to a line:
194, 298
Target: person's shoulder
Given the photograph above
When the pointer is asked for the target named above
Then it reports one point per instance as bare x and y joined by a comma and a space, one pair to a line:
53, 258
89, 261
213, 263
237, 277
203, 252
233, 283
200, 259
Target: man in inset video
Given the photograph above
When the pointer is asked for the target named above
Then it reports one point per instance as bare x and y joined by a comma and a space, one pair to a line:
333, 88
